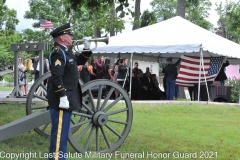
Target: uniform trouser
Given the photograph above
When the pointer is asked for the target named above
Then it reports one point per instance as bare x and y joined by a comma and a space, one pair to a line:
59, 133
170, 88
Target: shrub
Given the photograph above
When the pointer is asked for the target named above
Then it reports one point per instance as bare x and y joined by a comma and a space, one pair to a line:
235, 83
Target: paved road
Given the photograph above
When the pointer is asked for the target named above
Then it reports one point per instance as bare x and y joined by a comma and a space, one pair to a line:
4, 94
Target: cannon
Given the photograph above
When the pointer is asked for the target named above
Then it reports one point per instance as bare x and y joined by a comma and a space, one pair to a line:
100, 125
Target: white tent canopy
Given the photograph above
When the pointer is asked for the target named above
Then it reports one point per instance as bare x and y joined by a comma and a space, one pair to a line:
170, 38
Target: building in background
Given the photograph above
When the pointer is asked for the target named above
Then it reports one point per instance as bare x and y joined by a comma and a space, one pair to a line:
233, 71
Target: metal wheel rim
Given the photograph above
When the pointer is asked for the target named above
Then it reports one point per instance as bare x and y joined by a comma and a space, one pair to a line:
30, 109
99, 132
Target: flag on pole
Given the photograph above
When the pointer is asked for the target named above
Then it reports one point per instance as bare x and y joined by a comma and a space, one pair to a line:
45, 24
189, 70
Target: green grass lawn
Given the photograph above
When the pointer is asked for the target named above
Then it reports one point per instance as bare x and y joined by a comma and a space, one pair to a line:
6, 88
159, 131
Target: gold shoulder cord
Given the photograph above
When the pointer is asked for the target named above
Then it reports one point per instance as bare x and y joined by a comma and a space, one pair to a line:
57, 48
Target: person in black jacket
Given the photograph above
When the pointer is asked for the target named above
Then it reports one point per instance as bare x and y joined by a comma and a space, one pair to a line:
170, 74
122, 73
107, 70
222, 75
64, 91
36, 68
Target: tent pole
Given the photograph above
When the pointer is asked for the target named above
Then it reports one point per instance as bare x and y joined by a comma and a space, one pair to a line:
200, 71
130, 74
201, 53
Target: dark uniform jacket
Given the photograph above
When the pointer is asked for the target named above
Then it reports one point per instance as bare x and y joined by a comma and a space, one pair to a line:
222, 75
64, 79
170, 71
122, 71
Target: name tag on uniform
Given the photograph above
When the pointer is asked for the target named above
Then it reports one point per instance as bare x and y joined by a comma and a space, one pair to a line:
70, 60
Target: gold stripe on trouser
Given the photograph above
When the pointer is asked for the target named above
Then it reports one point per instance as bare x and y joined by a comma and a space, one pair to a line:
60, 118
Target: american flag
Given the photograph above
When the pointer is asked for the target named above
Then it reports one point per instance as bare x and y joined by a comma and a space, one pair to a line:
188, 74
45, 24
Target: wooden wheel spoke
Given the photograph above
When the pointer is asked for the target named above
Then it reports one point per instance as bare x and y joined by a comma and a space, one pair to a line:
87, 108
43, 86
40, 97
89, 137
117, 121
79, 124
83, 132
91, 100
113, 103
114, 131
117, 111
45, 126
107, 98
110, 134
83, 114
105, 137
97, 139
99, 96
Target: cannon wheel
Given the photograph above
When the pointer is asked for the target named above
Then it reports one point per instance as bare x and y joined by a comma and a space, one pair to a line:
106, 124
38, 92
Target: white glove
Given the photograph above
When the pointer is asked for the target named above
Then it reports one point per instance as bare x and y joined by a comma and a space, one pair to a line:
64, 103
86, 42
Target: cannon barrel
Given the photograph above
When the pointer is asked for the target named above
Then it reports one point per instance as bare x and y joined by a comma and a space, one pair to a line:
24, 124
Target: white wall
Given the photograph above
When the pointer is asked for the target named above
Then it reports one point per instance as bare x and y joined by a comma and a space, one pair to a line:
144, 64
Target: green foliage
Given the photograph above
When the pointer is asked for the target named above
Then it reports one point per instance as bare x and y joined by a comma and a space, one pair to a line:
9, 77
229, 22
196, 11
8, 20
80, 15
164, 9
235, 83
147, 18
97, 5
6, 56
56, 12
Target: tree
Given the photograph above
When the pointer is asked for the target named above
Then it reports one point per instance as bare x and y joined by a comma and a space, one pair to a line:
6, 56
56, 12
8, 20
228, 22
137, 14
164, 9
196, 11
96, 4
147, 19
181, 6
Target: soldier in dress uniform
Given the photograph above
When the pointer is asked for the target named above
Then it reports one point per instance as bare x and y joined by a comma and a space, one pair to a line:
170, 74
64, 91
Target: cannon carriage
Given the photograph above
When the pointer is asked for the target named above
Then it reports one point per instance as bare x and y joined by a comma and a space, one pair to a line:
100, 126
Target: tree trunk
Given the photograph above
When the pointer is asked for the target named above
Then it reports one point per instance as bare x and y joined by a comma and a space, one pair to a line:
112, 29
97, 31
181, 6
137, 14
